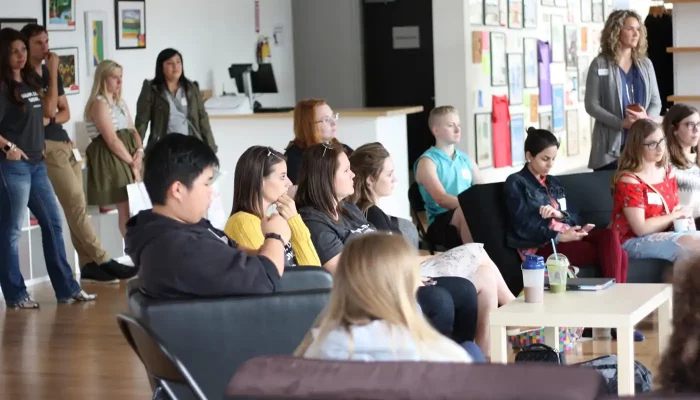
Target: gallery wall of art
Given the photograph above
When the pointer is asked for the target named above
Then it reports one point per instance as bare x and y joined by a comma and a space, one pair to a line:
210, 38
528, 68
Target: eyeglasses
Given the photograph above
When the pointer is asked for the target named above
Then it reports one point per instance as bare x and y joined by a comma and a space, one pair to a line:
694, 126
655, 145
328, 120
326, 147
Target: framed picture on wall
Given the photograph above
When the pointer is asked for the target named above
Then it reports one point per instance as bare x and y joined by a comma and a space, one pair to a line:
586, 12
503, 12
16, 23
484, 140
517, 139
59, 15
557, 28
492, 13
96, 44
515, 14
476, 12
560, 3
557, 107
499, 70
572, 136
530, 59
571, 43
583, 65
68, 69
548, 3
515, 79
130, 23
530, 13
597, 12
546, 121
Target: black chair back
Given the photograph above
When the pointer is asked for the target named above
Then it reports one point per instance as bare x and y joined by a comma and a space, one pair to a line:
161, 365
417, 205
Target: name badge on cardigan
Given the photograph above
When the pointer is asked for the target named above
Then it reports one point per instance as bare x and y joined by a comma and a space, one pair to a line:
603, 72
466, 174
654, 198
183, 102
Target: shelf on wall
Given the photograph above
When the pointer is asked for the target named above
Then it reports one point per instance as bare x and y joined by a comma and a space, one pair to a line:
683, 98
681, 1
683, 49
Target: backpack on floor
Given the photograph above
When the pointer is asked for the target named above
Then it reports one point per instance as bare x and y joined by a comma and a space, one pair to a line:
607, 366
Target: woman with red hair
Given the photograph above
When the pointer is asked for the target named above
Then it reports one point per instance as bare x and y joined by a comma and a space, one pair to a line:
314, 122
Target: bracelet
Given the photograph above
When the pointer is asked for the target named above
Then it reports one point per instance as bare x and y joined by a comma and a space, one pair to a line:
140, 150
275, 236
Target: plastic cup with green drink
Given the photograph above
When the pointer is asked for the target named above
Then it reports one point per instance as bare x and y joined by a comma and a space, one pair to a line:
557, 269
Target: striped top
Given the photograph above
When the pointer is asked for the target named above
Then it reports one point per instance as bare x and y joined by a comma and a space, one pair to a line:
119, 118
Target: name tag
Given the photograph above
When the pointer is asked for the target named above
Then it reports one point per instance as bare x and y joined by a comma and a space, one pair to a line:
466, 173
603, 72
77, 156
183, 101
654, 198
562, 204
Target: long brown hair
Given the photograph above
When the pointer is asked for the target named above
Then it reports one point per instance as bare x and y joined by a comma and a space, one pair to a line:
679, 370
610, 37
671, 124
28, 73
255, 164
631, 158
316, 183
376, 279
306, 129
366, 163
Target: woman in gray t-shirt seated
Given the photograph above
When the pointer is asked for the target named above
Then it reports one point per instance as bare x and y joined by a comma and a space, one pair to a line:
325, 181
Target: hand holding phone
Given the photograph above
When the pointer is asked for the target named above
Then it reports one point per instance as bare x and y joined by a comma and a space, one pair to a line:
588, 227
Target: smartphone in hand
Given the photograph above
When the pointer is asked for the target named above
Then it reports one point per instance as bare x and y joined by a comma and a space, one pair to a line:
587, 228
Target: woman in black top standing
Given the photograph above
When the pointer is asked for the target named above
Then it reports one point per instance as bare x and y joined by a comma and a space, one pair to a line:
23, 179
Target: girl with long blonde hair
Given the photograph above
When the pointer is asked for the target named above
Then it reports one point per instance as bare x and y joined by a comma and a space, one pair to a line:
373, 314
621, 87
116, 152
645, 204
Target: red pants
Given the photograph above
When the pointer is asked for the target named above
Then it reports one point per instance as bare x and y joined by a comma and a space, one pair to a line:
601, 248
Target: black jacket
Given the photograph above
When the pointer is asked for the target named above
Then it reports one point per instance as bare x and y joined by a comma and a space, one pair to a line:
524, 196
181, 260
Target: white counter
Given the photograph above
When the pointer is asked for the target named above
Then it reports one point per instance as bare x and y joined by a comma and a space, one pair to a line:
236, 133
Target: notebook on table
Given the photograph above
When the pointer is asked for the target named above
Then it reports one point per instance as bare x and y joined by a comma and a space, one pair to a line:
587, 284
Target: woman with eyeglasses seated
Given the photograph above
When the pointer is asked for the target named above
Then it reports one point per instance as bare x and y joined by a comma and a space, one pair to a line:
261, 183
325, 185
314, 123
645, 203
372, 313
681, 124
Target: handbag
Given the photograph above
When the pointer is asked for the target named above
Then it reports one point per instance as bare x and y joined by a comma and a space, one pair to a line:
540, 353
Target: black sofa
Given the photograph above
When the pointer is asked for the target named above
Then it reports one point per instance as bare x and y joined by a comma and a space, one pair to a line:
213, 337
589, 194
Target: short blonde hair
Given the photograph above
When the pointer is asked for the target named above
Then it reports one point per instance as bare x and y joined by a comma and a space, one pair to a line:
438, 112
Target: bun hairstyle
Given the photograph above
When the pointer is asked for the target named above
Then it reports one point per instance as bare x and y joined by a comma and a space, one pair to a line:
538, 140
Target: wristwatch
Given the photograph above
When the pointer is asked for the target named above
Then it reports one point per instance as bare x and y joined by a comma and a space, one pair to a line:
9, 146
275, 236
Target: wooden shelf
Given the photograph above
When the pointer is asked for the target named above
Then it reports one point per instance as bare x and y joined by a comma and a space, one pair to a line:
681, 1
683, 98
683, 49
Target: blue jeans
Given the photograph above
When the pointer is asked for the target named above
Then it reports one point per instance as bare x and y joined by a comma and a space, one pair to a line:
25, 184
663, 245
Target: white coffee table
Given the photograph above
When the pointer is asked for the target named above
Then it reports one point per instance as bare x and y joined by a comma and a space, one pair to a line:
621, 306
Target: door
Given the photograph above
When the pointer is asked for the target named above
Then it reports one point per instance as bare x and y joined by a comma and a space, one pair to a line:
401, 76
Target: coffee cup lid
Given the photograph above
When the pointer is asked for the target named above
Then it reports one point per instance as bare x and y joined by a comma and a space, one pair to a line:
533, 261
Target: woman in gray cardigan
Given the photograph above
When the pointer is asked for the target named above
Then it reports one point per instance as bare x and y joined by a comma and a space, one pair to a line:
621, 87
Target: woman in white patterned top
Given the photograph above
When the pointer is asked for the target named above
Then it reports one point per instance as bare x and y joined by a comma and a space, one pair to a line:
681, 126
114, 157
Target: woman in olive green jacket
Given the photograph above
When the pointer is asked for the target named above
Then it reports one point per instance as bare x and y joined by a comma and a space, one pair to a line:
172, 103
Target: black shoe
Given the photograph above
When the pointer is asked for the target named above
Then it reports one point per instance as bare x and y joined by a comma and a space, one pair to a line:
93, 273
119, 270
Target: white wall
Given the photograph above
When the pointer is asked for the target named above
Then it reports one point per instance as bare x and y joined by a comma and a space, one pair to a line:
328, 51
210, 34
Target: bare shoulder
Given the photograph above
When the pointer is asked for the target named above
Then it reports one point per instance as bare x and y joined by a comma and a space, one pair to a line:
426, 167
628, 178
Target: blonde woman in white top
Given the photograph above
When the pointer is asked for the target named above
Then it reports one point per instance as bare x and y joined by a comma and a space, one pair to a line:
115, 154
681, 125
373, 314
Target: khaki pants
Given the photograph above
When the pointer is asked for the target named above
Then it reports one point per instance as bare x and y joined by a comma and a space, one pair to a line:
67, 179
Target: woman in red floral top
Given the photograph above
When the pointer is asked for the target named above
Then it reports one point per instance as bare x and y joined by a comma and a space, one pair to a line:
646, 197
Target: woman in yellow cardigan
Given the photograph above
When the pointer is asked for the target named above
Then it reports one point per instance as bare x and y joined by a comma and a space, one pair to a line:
260, 182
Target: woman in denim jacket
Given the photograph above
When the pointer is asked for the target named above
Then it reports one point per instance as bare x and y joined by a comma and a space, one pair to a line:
538, 214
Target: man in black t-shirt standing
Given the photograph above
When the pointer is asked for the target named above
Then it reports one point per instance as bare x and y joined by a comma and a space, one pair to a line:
64, 167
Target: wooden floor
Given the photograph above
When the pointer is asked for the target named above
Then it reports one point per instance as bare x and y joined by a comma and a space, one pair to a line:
77, 351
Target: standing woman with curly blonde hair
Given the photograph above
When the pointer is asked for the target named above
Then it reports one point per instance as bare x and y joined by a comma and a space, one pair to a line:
621, 87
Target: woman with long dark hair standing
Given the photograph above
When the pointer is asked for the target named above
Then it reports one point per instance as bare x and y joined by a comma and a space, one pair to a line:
23, 179
171, 103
